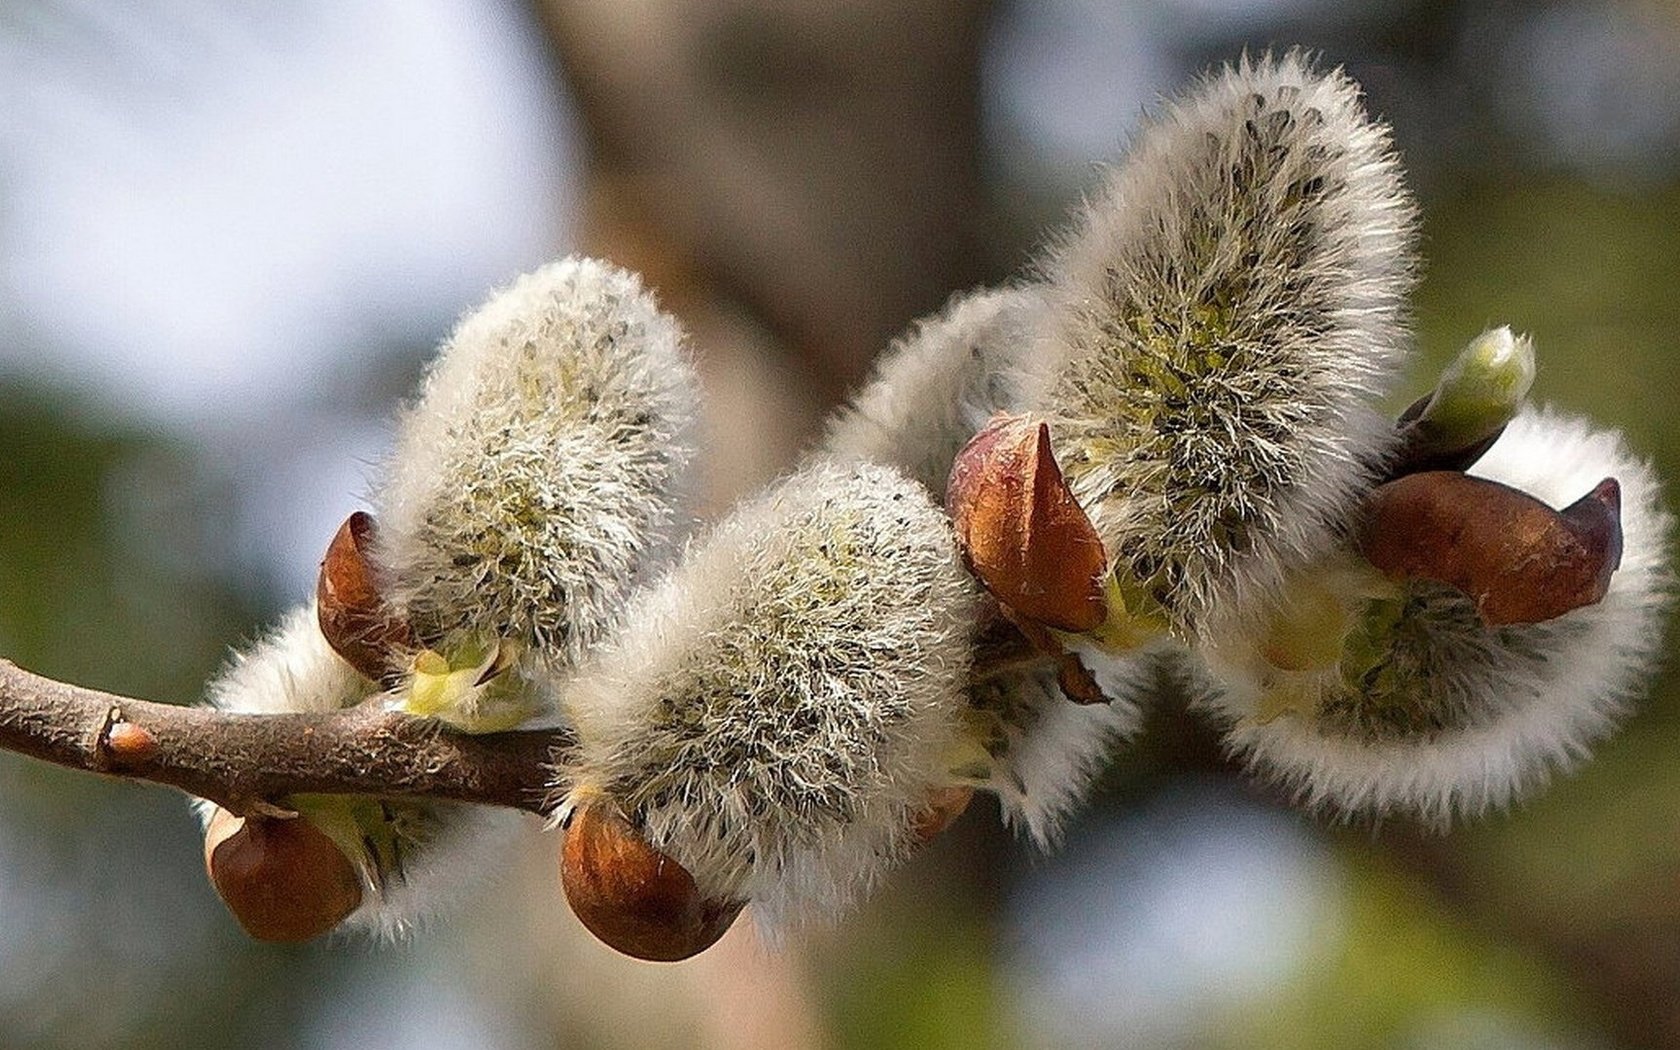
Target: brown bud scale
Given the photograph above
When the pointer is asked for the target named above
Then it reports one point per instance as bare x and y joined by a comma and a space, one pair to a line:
1021, 530
634, 898
129, 745
284, 880
944, 806
1518, 559
1072, 676
1420, 451
351, 608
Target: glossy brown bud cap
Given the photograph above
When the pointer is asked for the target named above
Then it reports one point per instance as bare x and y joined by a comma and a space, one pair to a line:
1020, 529
350, 606
1518, 559
284, 880
634, 898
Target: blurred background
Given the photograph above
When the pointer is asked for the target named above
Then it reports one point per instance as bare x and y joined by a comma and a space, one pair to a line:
231, 234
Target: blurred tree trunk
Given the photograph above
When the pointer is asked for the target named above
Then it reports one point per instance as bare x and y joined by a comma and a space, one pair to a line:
816, 165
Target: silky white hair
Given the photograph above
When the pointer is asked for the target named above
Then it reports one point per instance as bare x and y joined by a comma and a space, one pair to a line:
777, 709
939, 383
1045, 751
537, 475
1484, 715
1228, 309
290, 668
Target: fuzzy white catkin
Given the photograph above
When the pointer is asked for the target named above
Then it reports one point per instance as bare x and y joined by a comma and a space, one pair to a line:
1230, 306
776, 709
533, 480
1507, 707
289, 669
442, 846
939, 383
933, 389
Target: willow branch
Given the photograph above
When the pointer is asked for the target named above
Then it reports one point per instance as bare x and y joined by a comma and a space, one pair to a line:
249, 762
246, 762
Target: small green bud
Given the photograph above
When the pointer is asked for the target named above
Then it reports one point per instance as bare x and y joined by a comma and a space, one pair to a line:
470, 691
1478, 395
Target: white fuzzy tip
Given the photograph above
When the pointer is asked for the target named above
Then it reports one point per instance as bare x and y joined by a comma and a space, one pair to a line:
1480, 391
1447, 716
536, 476
1499, 361
1230, 308
777, 709
939, 383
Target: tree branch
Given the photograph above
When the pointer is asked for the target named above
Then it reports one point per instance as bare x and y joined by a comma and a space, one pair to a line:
246, 762
250, 763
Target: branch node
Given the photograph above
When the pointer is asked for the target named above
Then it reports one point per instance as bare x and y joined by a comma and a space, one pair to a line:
127, 745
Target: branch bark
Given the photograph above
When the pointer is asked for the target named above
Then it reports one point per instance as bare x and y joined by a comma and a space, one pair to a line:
250, 763
247, 762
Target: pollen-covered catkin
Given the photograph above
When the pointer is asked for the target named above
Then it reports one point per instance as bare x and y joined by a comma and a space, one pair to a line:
1426, 710
534, 478
414, 858
940, 382
775, 712
1228, 308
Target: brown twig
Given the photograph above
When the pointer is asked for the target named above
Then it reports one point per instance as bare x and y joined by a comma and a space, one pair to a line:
251, 763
